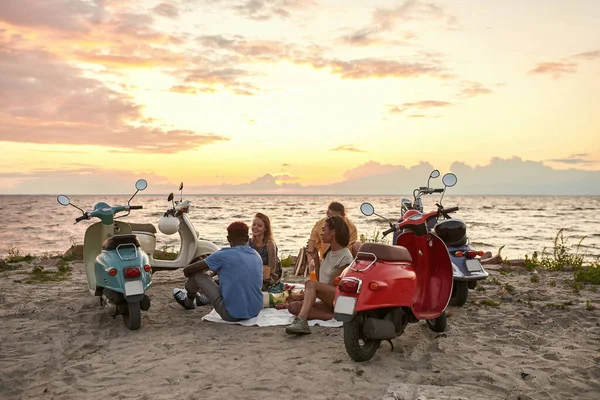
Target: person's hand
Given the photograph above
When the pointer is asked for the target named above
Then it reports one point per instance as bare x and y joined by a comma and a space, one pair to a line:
188, 272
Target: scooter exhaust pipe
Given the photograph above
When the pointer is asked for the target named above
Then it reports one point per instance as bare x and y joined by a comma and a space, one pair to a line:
379, 329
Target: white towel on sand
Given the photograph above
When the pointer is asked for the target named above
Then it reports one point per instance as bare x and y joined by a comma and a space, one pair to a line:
271, 317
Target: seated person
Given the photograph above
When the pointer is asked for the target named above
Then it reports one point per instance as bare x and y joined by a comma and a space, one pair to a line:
337, 209
336, 234
239, 267
262, 241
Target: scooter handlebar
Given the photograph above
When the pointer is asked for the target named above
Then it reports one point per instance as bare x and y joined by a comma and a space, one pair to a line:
84, 216
136, 207
438, 190
451, 210
392, 229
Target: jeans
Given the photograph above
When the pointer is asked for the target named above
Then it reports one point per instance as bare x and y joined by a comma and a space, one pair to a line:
201, 281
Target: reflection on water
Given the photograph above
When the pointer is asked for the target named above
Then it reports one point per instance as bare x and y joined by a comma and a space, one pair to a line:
36, 224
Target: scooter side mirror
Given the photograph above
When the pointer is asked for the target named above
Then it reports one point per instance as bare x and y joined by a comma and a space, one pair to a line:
180, 186
434, 174
170, 198
141, 184
367, 209
63, 200
449, 179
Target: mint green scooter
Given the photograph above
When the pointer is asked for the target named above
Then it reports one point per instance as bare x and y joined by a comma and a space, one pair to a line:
117, 268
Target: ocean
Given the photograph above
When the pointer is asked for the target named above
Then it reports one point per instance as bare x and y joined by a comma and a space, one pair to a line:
522, 224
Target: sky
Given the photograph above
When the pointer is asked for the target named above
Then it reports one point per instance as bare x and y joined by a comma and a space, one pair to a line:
299, 96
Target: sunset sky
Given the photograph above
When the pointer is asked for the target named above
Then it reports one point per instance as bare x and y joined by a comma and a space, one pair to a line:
294, 93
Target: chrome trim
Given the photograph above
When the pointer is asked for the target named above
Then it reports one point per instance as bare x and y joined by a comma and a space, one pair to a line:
351, 278
368, 266
134, 251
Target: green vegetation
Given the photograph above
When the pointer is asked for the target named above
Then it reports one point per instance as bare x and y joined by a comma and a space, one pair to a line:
480, 288
535, 278
372, 237
589, 275
287, 262
589, 306
39, 274
510, 288
14, 256
560, 258
490, 303
166, 253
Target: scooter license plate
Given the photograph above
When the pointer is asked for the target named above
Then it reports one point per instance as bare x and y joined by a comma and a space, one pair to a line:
473, 265
344, 305
133, 288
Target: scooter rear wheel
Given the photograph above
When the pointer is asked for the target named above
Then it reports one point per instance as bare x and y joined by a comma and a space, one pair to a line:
133, 316
358, 347
460, 293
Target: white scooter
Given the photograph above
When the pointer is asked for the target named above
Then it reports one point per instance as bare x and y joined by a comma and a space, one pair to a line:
174, 220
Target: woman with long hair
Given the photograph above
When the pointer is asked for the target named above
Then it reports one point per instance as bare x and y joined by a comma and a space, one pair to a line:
263, 242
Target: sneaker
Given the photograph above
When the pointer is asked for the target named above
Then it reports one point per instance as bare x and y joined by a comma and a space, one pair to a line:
201, 300
182, 298
298, 327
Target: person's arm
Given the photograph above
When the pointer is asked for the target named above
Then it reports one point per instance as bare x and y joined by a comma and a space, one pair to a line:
315, 235
194, 268
272, 255
353, 234
317, 259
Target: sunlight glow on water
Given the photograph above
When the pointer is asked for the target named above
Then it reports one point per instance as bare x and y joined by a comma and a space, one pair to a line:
38, 224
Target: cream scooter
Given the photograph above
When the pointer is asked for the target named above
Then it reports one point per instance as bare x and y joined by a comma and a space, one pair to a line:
174, 220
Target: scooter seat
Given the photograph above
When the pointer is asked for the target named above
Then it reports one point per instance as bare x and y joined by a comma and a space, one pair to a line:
112, 242
385, 251
142, 227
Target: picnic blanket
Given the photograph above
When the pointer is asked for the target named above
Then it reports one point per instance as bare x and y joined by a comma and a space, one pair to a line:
271, 317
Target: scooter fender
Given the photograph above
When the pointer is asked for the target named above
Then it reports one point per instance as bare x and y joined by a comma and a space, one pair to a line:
109, 259
461, 271
205, 248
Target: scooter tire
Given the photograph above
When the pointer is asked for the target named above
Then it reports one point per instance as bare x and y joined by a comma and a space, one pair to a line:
460, 293
133, 316
438, 324
358, 347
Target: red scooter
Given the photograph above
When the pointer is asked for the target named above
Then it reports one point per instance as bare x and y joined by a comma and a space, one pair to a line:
386, 286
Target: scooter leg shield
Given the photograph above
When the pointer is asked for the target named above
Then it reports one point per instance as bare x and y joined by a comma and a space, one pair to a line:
379, 329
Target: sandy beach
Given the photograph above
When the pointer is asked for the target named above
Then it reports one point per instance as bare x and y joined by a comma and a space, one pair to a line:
514, 339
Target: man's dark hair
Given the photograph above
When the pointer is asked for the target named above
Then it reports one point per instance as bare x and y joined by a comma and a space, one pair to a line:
337, 207
237, 231
342, 233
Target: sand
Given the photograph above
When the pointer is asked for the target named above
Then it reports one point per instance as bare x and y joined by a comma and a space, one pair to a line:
56, 343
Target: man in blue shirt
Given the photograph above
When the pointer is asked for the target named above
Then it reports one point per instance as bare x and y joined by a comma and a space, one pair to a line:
238, 295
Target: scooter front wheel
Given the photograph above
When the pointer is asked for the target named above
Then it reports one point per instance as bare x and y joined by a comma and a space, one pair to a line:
358, 346
438, 324
133, 316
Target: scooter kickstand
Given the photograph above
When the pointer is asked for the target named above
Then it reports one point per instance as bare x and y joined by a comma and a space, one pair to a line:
390, 342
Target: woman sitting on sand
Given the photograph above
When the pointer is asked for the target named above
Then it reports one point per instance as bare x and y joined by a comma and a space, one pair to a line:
262, 241
337, 257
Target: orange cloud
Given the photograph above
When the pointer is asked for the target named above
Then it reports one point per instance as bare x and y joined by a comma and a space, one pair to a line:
589, 55
473, 89
424, 104
556, 69
44, 100
348, 148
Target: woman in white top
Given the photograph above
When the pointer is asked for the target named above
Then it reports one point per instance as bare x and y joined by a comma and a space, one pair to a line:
337, 235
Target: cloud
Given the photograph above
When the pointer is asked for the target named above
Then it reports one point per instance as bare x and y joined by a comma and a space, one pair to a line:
285, 177
229, 78
574, 159
262, 10
373, 36
419, 105
473, 89
387, 18
44, 100
369, 169
589, 55
167, 9
555, 69
65, 15
348, 148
